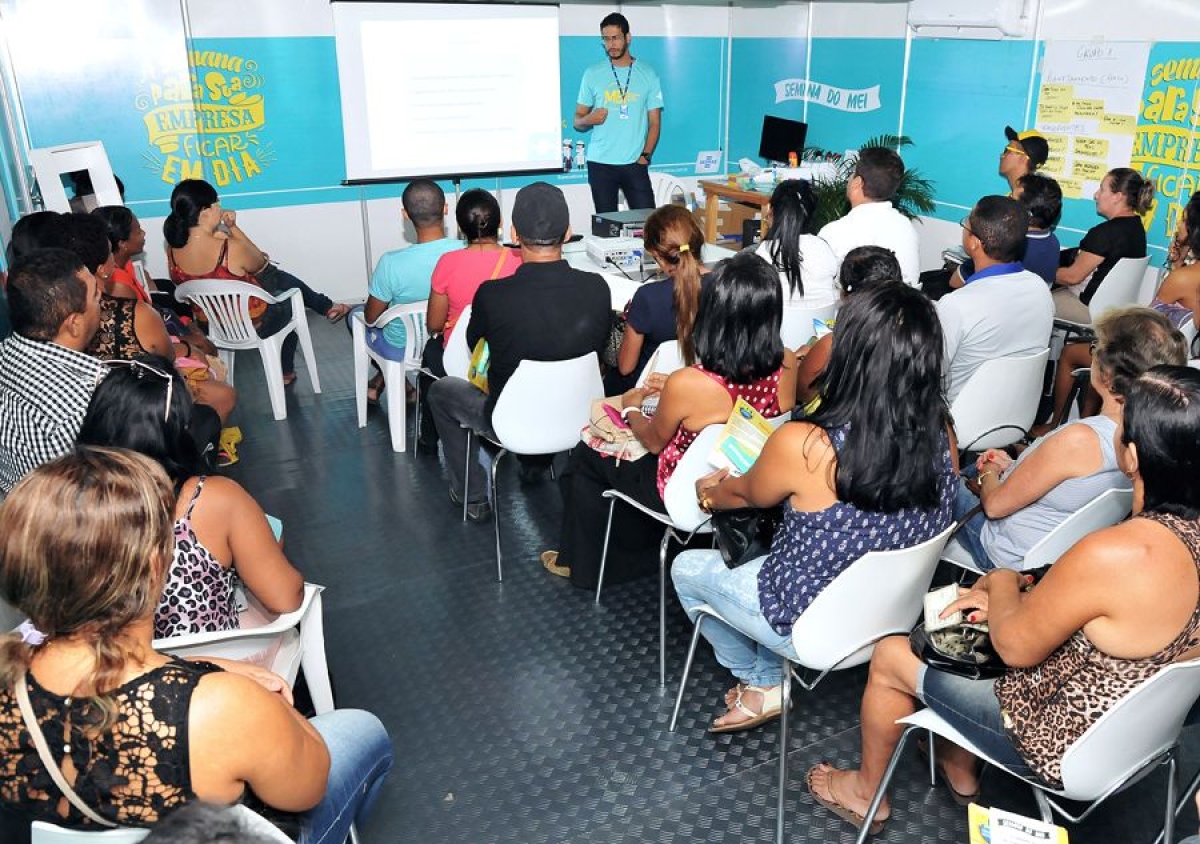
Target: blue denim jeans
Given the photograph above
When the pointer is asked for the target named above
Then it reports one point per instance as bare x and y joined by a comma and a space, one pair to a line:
360, 758
970, 534
748, 645
375, 339
971, 707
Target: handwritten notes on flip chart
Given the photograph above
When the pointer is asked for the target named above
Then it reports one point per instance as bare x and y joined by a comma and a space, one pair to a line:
1087, 106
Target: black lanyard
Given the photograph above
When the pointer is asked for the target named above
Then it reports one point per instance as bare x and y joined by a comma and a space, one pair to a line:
628, 77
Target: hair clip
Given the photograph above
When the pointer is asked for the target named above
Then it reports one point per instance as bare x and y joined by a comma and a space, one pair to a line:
30, 635
685, 248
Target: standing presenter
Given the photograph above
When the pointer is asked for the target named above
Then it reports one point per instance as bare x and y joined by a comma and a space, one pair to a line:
620, 102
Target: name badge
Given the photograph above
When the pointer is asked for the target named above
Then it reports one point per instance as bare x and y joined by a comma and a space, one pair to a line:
624, 111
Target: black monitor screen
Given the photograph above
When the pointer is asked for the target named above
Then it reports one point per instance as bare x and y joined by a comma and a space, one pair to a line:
780, 137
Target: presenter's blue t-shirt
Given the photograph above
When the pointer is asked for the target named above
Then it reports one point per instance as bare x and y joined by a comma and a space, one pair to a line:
619, 140
402, 276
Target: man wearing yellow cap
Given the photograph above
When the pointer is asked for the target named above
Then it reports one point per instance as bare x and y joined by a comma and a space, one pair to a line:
1025, 153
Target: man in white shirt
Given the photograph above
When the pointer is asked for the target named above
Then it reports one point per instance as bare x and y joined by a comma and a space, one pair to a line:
872, 220
1003, 309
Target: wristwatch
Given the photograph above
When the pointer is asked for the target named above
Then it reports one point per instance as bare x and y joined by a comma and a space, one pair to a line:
646, 156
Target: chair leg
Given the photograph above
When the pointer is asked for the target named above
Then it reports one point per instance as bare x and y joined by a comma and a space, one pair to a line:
1172, 783
496, 514
417, 408
361, 368
604, 553
662, 610
273, 369
353, 835
397, 407
783, 748
687, 668
467, 471
306, 346
1181, 801
1043, 805
864, 833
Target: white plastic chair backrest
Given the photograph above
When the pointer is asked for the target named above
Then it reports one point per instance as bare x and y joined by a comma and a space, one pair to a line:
1105, 510
48, 833
415, 331
667, 190
457, 358
1140, 726
666, 359
680, 493
1188, 330
881, 593
545, 404
227, 306
1004, 391
797, 326
1120, 287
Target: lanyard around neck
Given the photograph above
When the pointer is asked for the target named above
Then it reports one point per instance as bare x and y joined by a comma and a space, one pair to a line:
628, 78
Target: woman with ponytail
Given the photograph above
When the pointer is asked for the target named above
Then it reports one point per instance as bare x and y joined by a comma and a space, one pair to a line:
84, 546
807, 266
663, 310
1123, 196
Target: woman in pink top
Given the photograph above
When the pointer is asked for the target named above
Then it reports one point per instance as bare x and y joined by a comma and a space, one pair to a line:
459, 274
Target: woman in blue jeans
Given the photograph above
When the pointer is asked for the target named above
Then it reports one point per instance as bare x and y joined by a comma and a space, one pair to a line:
84, 545
871, 470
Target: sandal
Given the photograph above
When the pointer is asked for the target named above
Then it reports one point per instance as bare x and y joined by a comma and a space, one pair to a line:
289, 378
337, 313
772, 705
832, 804
374, 389
550, 564
959, 797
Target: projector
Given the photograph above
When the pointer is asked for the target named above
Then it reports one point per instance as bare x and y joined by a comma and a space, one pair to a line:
626, 253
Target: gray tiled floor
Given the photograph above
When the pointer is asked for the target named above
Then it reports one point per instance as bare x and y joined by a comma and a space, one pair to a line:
522, 712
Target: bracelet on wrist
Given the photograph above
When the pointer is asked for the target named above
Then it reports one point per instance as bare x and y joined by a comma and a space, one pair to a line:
982, 475
625, 411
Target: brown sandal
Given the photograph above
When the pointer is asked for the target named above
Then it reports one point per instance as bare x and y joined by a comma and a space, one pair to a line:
834, 805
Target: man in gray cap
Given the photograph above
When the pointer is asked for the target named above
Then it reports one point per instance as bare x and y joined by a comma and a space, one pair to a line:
545, 311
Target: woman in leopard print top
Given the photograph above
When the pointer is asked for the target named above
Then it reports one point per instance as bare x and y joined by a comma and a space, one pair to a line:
1114, 610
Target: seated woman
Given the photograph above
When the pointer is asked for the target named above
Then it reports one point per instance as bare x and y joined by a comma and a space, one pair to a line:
863, 268
220, 531
739, 355
807, 266
1178, 299
1123, 195
85, 542
844, 491
663, 310
1118, 607
1024, 500
204, 241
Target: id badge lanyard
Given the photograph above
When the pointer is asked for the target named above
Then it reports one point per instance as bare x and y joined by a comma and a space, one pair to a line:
623, 92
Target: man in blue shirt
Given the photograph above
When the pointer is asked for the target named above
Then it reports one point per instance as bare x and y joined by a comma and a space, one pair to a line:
620, 102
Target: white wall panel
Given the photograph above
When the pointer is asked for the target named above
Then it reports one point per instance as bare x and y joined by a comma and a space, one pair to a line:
787, 20
259, 18
1121, 20
676, 21
859, 20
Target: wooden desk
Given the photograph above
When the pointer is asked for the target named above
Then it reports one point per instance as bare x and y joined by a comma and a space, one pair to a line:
716, 191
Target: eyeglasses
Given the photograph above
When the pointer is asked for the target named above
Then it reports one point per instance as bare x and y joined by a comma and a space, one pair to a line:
1016, 149
965, 223
141, 369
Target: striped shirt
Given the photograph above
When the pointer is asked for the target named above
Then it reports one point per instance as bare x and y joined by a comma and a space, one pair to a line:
44, 392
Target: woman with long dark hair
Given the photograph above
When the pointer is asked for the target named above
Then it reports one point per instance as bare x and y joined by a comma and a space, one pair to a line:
872, 469
739, 355
807, 266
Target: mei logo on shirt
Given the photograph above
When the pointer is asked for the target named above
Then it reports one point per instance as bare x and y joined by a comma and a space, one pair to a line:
207, 127
613, 96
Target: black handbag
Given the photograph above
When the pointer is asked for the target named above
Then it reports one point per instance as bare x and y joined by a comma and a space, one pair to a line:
745, 533
616, 334
962, 649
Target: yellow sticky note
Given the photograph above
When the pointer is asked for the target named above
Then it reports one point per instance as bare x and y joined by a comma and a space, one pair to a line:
1117, 124
1071, 188
1092, 147
1054, 112
1088, 109
1057, 144
1056, 94
1052, 166
1089, 171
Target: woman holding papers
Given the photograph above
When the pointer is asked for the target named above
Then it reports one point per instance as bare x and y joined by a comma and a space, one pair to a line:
739, 355
1115, 610
873, 469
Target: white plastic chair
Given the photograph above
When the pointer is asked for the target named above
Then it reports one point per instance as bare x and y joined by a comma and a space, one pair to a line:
1137, 735
543, 407
665, 360
1122, 286
880, 594
1105, 510
227, 306
682, 519
48, 833
457, 358
667, 190
998, 403
394, 372
302, 645
797, 326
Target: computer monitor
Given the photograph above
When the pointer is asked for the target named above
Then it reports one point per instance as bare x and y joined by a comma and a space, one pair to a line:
781, 136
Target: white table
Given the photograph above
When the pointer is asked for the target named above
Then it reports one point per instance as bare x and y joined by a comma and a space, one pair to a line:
622, 288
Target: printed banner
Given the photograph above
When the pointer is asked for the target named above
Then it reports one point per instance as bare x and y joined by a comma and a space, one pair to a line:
1166, 145
818, 93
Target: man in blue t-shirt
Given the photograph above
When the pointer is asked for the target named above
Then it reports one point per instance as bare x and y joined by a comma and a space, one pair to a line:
620, 102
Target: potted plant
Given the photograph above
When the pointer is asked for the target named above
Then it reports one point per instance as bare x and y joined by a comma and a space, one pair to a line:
913, 197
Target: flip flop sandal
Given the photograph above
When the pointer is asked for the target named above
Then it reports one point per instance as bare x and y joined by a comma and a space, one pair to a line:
772, 705
831, 803
550, 563
732, 694
957, 796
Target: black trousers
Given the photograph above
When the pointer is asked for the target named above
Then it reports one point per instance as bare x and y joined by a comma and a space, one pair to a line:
634, 541
606, 179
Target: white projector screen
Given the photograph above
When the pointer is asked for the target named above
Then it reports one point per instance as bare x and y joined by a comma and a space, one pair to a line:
446, 89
